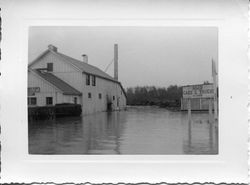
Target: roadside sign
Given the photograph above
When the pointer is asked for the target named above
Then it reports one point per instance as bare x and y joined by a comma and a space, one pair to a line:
198, 91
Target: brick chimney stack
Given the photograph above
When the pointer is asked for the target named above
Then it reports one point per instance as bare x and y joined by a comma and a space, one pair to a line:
52, 48
85, 58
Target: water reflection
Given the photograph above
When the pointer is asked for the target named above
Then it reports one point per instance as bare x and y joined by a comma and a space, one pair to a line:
201, 136
140, 130
102, 132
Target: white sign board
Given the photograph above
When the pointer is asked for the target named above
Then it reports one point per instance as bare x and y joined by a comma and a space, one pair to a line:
198, 91
33, 90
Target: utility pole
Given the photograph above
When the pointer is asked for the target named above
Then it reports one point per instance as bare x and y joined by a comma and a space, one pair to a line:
116, 61
215, 86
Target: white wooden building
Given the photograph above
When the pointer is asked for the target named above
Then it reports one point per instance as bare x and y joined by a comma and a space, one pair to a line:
45, 89
55, 78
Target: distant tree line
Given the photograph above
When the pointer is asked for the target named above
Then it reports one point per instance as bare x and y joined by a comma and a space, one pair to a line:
151, 95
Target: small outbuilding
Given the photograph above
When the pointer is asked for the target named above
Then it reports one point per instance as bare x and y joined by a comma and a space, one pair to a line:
45, 89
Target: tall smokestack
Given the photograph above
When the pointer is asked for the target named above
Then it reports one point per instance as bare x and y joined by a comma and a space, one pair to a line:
85, 58
116, 61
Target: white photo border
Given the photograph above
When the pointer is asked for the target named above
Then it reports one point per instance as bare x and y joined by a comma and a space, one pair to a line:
223, 167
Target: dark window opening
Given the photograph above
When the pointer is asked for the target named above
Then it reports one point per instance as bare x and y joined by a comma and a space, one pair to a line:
32, 101
75, 100
49, 101
89, 95
100, 96
87, 79
113, 97
93, 80
49, 66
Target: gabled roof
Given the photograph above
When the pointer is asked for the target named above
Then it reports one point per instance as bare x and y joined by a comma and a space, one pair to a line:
57, 82
82, 66
87, 68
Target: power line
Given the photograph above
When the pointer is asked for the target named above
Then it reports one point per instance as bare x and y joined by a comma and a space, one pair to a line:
109, 65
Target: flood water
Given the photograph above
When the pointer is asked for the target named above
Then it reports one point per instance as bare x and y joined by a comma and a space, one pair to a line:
139, 130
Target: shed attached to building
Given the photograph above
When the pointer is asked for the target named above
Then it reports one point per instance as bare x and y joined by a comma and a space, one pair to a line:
45, 89
68, 80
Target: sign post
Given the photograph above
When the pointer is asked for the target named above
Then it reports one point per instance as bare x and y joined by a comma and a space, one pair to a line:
214, 74
189, 110
210, 111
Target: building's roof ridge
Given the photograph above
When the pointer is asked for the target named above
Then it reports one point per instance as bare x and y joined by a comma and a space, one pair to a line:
57, 82
80, 61
85, 67
81, 64
37, 58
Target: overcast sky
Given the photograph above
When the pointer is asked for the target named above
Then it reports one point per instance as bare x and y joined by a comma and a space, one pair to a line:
159, 56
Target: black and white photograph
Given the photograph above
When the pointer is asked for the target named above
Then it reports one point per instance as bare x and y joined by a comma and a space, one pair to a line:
123, 90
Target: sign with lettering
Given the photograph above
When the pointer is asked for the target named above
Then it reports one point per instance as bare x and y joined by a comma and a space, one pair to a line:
198, 91
33, 90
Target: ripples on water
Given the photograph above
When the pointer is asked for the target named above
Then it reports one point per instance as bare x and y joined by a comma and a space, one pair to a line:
139, 130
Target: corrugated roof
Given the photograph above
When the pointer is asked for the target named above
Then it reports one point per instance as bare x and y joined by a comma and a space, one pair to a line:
87, 68
60, 84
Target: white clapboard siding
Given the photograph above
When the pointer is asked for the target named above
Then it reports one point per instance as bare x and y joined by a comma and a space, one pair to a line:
62, 70
35, 80
108, 89
77, 79
46, 90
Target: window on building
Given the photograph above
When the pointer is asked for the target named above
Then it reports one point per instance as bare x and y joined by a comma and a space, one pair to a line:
75, 100
113, 97
32, 101
100, 96
87, 79
49, 66
89, 95
93, 80
49, 101
118, 99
